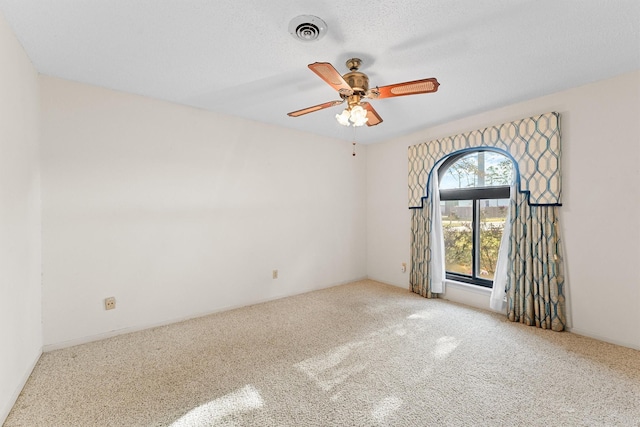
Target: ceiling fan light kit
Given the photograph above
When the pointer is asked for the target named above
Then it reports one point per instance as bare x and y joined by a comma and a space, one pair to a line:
356, 116
354, 86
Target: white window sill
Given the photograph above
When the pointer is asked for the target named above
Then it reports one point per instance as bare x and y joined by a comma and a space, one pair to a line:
469, 287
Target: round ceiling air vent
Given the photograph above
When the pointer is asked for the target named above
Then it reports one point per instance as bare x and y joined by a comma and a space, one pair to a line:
307, 28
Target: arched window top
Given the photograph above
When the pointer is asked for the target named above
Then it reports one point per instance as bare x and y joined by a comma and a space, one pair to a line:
533, 144
477, 169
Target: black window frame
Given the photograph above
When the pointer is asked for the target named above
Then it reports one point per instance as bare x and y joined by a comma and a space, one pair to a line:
475, 195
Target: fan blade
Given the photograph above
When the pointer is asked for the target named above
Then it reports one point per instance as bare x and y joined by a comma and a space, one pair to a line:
315, 108
406, 88
330, 75
372, 115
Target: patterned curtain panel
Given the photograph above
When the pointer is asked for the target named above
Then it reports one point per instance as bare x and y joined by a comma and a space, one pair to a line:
535, 279
420, 273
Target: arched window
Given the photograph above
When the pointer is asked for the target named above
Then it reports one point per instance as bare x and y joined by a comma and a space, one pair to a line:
474, 200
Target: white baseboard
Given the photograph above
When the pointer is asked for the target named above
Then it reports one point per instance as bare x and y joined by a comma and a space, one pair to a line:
110, 334
588, 334
97, 337
4, 412
389, 282
486, 292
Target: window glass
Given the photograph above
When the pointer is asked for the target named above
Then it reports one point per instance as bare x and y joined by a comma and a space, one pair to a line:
478, 169
474, 193
493, 213
457, 225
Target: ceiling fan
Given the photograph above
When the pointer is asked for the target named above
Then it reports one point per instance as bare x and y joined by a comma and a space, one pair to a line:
354, 86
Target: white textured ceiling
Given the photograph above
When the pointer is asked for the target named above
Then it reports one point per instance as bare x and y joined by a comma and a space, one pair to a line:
238, 57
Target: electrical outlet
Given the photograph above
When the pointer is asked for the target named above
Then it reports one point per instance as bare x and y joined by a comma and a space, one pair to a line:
404, 267
274, 274
109, 303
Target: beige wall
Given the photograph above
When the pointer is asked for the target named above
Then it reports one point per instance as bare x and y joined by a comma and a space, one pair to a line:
178, 212
20, 290
600, 125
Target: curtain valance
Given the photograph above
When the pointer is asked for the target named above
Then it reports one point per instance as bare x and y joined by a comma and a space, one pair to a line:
533, 144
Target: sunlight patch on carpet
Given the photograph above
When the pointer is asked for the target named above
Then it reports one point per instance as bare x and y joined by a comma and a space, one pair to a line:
334, 367
424, 314
444, 347
243, 400
386, 407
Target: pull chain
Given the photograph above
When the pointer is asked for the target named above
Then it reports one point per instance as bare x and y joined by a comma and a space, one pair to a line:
354, 141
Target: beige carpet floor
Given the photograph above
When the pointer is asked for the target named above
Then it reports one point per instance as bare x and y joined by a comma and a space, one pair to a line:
362, 354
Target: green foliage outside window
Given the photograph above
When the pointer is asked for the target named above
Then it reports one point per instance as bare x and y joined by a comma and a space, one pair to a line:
458, 245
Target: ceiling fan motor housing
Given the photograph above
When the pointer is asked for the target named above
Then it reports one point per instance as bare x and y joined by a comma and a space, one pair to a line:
358, 81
